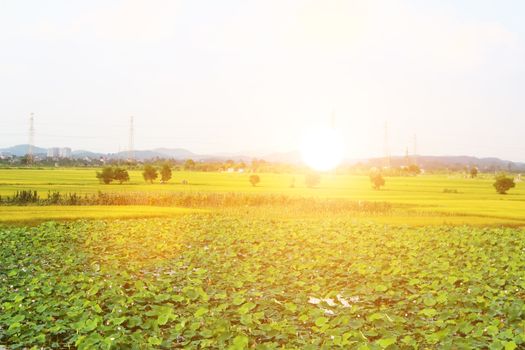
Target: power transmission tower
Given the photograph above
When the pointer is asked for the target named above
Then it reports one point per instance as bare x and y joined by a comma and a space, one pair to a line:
131, 152
415, 149
31, 140
118, 156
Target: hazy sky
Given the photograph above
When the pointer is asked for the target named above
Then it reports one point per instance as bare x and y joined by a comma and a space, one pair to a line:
228, 76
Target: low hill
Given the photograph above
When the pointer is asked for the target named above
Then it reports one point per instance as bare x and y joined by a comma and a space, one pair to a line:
450, 162
21, 150
293, 157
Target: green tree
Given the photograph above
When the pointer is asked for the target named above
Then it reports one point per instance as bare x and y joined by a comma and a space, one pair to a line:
377, 180
254, 180
257, 164
189, 164
229, 164
121, 175
165, 173
312, 179
503, 183
414, 169
106, 175
150, 173
473, 172
27, 159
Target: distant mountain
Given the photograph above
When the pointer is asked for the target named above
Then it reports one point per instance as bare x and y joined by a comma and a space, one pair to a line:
451, 162
181, 154
21, 150
83, 154
177, 153
139, 155
293, 157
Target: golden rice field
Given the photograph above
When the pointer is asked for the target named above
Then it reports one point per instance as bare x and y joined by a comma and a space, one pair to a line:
420, 200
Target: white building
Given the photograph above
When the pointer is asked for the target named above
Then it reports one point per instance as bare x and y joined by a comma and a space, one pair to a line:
53, 152
65, 152
56, 152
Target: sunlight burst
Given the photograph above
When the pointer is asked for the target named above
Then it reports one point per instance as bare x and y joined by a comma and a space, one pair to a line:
322, 148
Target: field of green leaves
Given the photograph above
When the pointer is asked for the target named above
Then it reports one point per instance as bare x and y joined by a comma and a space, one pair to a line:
256, 281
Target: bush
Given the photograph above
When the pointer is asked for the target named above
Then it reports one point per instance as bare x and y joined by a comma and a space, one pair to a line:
254, 180
25, 197
150, 173
109, 174
377, 180
120, 175
414, 169
203, 200
312, 179
189, 164
165, 173
503, 184
106, 175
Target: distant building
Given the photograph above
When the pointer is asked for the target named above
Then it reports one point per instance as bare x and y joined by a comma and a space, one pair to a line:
65, 152
56, 152
5, 155
53, 152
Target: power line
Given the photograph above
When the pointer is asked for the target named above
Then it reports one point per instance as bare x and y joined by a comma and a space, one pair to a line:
415, 149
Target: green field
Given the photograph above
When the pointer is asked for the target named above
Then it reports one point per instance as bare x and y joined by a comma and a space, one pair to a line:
22, 214
476, 201
275, 268
231, 281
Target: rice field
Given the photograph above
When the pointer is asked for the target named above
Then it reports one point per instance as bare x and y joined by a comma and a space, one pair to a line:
424, 196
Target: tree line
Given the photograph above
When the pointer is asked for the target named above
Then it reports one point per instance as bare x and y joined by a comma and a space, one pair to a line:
150, 173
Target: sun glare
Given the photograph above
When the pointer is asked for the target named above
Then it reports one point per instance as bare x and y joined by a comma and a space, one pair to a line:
322, 148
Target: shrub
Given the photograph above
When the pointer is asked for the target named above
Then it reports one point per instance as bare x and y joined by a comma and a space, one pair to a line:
106, 175
189, 164
414, 169
165, 173
150, 173
25, 197
377, 180
312, 179
120, 175
503, 184
53, 197
254, 180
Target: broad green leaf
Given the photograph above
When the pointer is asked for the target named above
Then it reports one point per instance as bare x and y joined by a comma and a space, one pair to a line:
321, 321
386, 342
200, 312
245, 308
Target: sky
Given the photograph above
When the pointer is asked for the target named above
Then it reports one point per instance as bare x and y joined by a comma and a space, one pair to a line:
245, 76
